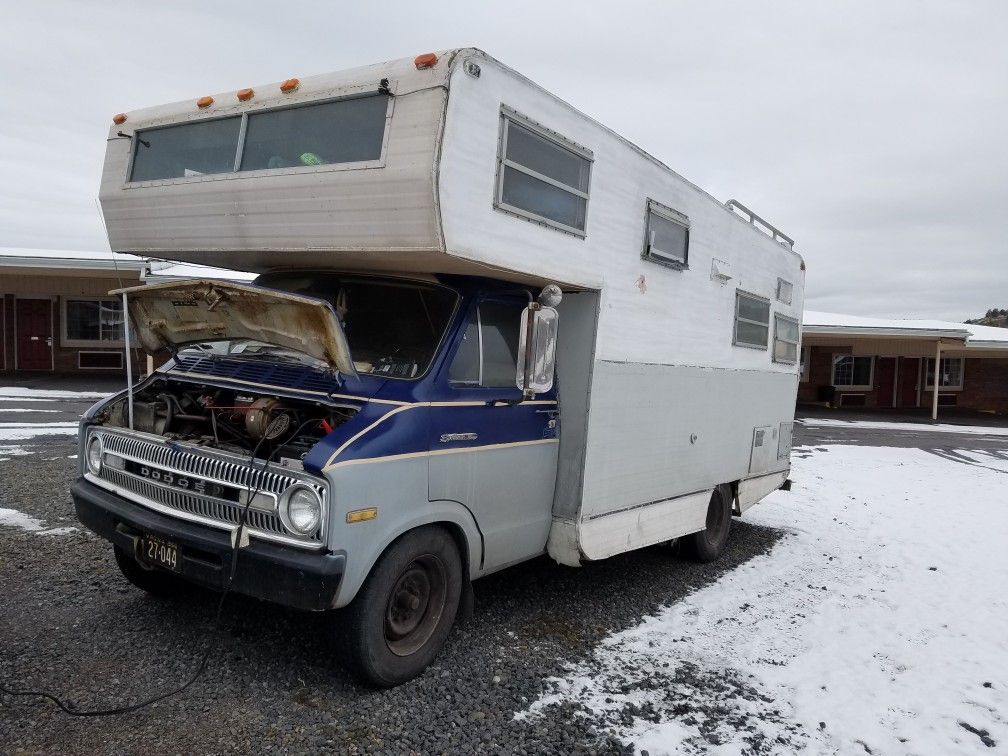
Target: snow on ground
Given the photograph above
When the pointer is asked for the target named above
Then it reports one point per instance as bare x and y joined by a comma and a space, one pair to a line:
830, 422
25, 431
878, 625
15, 519
22, 393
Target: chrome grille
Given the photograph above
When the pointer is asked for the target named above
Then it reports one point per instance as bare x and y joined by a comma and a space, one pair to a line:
210, 466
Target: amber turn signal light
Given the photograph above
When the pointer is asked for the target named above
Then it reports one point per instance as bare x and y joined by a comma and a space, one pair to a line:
245, 94
119, 118
290, 85
427, 60
204, 102
361, 515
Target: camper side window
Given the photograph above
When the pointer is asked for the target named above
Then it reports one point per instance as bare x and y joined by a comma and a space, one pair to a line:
542, 176
488, 354
785, 342
666, 236
752, 320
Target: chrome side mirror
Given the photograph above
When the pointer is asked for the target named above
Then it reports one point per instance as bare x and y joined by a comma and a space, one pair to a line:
537, 343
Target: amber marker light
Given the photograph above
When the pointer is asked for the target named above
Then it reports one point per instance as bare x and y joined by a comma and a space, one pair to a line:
119, 118
361, 515
427, 60
290, 85
204, 102
246, 94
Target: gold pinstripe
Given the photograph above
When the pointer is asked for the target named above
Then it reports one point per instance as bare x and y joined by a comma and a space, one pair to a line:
437, 453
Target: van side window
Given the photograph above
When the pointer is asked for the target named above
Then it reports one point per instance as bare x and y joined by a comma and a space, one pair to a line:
488, 354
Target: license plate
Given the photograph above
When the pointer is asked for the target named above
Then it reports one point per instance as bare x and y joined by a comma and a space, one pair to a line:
158, 552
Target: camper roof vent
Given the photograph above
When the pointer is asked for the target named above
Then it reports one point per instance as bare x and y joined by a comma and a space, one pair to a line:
754, 220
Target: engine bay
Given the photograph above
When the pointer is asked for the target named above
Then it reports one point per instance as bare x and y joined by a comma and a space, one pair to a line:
245, 423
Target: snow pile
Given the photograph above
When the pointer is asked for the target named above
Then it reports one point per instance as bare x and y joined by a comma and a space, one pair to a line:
973, 430
879, 625
15, 519
24, 431
23, 393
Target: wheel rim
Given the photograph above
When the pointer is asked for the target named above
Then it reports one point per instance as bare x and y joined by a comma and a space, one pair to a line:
715, 516
415, 605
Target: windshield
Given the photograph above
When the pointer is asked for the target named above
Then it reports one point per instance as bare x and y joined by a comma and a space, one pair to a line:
393, 327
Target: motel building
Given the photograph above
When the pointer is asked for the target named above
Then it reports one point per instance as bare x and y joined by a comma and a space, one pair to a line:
58, 318
879, 364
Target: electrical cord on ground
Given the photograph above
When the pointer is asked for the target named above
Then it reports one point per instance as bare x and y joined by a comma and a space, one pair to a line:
67, 706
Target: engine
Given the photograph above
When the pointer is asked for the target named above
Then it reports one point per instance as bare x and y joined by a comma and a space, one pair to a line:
266, 426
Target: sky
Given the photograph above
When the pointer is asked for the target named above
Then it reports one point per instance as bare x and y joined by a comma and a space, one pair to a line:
873, 133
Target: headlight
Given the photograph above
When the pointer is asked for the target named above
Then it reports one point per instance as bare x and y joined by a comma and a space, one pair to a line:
94, 454
303, 508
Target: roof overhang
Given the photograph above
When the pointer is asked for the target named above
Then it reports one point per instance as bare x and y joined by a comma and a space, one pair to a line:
886, 332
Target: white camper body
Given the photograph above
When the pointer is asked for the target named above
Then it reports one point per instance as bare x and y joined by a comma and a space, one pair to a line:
663, 394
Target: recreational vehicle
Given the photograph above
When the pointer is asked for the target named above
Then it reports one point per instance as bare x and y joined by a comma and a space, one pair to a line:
486, 328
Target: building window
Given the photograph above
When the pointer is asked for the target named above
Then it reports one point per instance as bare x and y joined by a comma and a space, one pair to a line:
541, 176
785, 291
488, 355
950, 376
852, 372
806, 356
785, 343
752, 320
90, 321
348, 130
666, 236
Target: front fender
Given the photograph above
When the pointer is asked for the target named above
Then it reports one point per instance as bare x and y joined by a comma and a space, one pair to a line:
397, 488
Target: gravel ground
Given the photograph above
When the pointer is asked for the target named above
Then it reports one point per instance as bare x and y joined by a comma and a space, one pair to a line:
72, 624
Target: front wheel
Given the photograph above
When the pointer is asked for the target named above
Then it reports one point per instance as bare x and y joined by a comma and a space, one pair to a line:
707, 544
402, 615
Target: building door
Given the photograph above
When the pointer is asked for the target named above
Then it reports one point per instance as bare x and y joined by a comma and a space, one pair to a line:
909, 367
885, 377
34, 334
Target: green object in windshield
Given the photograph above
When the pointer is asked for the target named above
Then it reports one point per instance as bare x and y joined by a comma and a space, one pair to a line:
310, 158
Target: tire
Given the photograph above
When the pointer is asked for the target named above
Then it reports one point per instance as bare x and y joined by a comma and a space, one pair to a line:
154, 581
707, 544
403, 613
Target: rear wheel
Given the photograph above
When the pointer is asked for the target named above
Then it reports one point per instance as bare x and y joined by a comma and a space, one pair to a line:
156, 582
403, 613
707, 544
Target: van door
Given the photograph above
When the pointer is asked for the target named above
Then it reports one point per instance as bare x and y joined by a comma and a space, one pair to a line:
491, 451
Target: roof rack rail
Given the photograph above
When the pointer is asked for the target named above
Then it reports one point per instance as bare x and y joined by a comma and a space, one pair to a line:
748, 215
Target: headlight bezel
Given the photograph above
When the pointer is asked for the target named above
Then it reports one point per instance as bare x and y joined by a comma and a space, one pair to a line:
285, 510
94, 441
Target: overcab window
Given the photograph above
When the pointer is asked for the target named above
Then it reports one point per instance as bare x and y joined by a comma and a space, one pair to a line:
542, 176
349, 130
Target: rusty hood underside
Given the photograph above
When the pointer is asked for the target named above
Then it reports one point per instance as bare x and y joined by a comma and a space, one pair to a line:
174, 314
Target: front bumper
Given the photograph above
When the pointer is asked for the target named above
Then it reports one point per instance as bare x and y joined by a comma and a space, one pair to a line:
301, 580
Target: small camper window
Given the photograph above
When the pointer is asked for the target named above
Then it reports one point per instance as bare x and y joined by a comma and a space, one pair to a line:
752, 320
666, 236
784, 291
542, 176
785, 344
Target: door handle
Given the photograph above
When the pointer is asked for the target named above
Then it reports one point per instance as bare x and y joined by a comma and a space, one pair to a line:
33, 338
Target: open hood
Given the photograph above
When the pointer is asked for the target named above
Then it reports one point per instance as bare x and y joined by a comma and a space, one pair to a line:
171, 315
